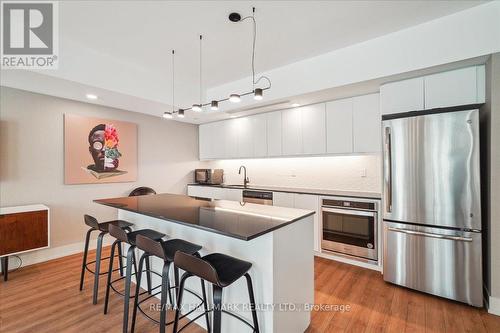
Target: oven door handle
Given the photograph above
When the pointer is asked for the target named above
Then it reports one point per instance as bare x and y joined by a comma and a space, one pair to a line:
348, 211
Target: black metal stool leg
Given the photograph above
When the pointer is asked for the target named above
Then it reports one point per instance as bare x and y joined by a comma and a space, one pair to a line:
205, 304
252, 303
145, 256
5, 267
110, 272
176, 281
165, 289
128, 278
84, 261
148, 273
179, 301
120, 259
217, 298
97, 266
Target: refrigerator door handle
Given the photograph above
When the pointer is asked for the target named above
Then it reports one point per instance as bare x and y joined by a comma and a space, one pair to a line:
432, 235
388, 170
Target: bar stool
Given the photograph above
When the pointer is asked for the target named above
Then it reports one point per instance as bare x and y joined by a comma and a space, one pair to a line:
129, 238
103, 227
165, 250
221, 270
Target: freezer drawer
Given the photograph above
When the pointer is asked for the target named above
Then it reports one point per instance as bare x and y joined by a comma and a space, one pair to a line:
442, 262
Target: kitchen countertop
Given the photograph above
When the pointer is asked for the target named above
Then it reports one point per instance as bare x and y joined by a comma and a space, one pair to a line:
244, 221
339, 193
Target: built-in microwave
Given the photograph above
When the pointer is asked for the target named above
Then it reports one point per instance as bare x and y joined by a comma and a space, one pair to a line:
209, 176
350, 227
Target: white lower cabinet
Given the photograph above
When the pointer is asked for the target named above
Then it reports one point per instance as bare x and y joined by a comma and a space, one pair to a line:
301, 201
214, 192
310, 202
283, 199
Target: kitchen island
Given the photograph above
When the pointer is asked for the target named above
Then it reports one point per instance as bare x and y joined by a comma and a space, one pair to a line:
277, 241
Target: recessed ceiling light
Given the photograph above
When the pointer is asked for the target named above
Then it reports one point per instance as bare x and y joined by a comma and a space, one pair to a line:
295, 105
91, 96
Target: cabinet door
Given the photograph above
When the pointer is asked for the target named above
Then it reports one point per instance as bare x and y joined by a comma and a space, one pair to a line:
259, 135
283, 199
339, 126
366, 124
452, 88
402, 96
204, 144
313, 129
201, 191
291, 132
274, 133
217, 138
231, 131
245, 140
310, 202
232, 194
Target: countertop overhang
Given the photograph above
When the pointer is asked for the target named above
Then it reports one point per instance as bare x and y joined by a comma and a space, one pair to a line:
244, 221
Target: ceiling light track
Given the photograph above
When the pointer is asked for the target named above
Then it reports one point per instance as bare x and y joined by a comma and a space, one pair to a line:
257, 92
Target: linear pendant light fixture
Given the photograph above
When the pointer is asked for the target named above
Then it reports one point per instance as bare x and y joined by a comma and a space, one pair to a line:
166, 114
257, 92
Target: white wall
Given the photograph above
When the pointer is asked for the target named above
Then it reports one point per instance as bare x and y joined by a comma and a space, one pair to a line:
32, 164
467, 34
322, 172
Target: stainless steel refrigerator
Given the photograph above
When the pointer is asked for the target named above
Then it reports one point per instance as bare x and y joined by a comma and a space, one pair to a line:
432, 205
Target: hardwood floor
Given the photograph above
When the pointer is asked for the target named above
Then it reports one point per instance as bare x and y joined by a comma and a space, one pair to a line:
45, 298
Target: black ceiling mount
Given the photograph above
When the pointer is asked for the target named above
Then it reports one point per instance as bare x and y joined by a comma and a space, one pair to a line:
234, 17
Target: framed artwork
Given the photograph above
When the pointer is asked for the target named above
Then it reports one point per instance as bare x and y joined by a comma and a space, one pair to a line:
99, 150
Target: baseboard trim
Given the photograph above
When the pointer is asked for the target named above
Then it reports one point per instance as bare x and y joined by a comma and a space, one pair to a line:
35, 257
494, 305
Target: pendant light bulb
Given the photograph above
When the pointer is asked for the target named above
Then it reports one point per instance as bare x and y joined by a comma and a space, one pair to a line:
234, 98
196, 107
214, 106
167, 115
180, 113
258, 94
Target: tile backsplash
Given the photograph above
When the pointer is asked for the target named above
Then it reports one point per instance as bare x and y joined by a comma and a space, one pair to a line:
350, 173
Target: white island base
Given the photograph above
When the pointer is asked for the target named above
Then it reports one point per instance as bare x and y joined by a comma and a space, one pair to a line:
282, 272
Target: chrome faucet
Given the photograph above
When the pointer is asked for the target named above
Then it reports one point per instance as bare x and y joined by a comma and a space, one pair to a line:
245, 178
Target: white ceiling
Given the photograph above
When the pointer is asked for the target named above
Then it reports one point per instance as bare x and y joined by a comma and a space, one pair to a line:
124, 46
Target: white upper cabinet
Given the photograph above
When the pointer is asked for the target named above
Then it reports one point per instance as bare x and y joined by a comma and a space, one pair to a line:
402, 96
259, 135
231, 133
458, 87
291, 132
245, 139
366, 120
313, 125
274, 133
339, 126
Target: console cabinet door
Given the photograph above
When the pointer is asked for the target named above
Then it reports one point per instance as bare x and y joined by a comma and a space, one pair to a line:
367, 124
339, 126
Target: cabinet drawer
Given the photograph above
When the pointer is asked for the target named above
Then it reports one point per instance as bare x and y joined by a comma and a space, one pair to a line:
23, 231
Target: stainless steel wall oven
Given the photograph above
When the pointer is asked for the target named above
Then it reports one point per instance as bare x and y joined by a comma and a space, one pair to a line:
350, 227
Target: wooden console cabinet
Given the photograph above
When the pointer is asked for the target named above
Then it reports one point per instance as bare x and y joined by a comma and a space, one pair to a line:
23, 229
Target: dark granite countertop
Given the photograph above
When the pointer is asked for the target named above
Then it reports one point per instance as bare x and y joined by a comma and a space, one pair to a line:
244, 221
301, 190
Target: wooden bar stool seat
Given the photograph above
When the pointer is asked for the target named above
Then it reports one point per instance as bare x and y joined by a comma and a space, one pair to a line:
103, 228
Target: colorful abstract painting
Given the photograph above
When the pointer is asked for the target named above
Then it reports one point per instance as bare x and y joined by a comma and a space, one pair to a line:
99, 150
